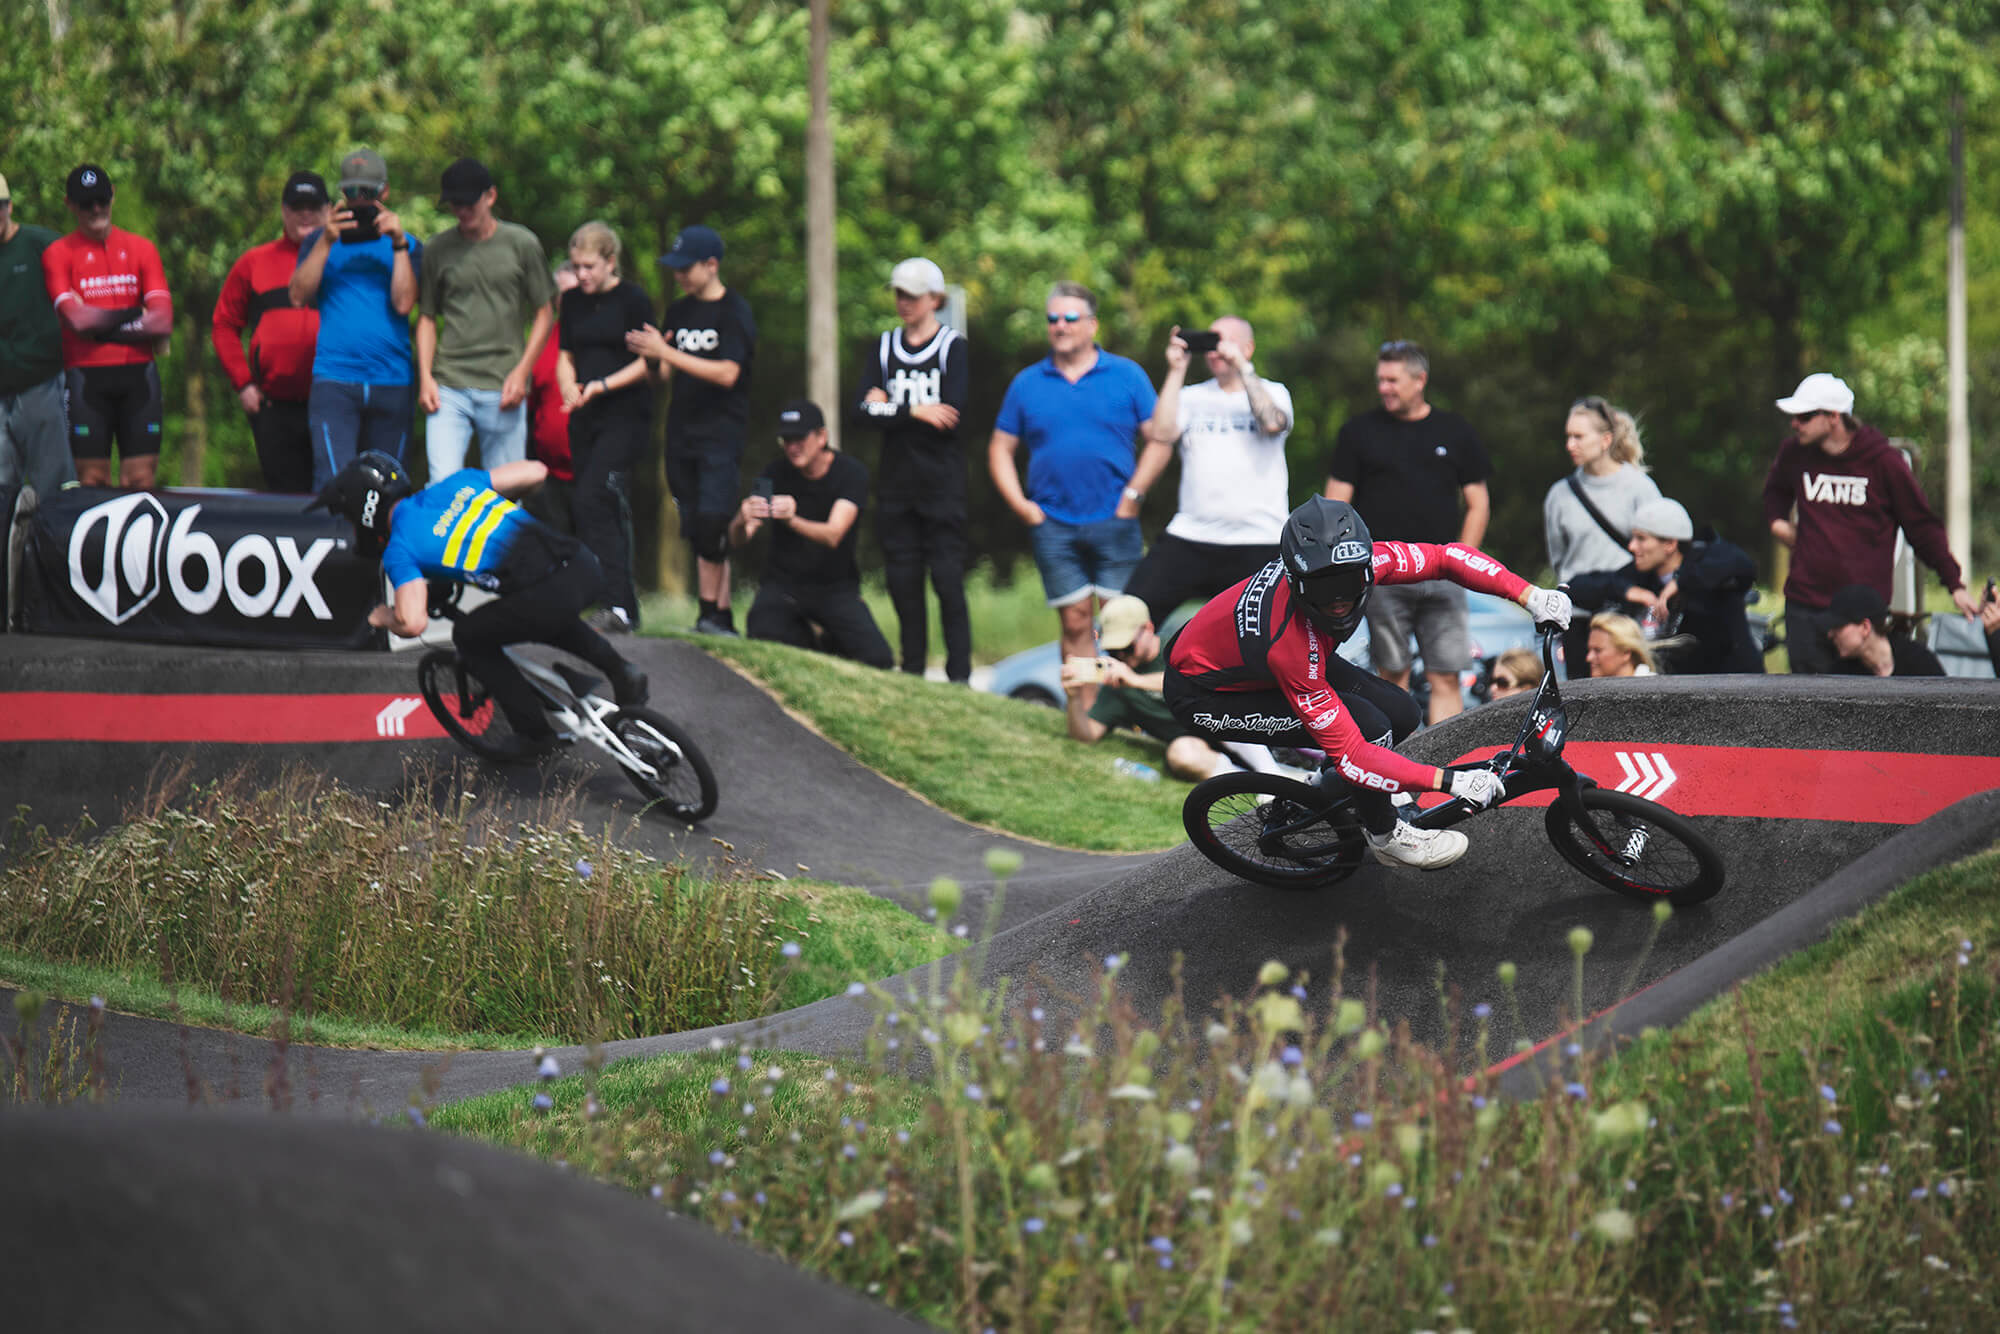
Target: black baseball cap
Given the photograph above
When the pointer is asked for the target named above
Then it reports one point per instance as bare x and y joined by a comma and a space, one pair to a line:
800, 417
464, 181
305, 189
1856, 602
692, 246
87, 184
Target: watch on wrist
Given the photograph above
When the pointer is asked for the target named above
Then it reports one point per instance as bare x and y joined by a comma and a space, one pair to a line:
400, 246
1134, 493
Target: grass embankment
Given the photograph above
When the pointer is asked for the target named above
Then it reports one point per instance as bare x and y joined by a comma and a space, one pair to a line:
432, 923
1814, 1151
993, 761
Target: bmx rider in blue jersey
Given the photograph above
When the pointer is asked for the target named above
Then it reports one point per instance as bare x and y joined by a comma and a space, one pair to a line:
466, 529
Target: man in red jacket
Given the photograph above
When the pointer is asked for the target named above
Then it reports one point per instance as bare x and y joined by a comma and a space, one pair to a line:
1851, 492
275, 380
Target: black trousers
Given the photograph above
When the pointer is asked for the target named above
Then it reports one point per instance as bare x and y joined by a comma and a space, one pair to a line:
284, 446
544, 613
832, 619
1805, 639
604, 448
1384, 712
1177, 569
917, 536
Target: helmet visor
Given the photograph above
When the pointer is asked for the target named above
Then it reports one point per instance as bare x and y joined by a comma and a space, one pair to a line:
1337, 591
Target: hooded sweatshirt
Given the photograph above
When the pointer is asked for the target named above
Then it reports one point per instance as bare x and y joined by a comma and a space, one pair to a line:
1850, 506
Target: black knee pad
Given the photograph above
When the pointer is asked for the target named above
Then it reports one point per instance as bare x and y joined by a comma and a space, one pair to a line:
709, 536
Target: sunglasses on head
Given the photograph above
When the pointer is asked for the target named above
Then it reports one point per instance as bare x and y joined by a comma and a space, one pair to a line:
1067, 316
1396, 347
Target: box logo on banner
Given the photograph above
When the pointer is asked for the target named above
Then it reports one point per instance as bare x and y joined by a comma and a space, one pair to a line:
196, 567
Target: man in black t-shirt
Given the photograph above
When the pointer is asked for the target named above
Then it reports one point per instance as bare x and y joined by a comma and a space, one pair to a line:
914, 385
1407, 466
812, 497
1858, 628
704, 345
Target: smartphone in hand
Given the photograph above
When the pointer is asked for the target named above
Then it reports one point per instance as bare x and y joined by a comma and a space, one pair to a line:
762, 488
364, 228
1201, 340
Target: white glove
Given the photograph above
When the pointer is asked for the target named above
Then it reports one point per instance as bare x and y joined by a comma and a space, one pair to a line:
1481, 787
1549, 605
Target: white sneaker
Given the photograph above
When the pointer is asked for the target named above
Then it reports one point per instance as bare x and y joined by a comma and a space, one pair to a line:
1425, 849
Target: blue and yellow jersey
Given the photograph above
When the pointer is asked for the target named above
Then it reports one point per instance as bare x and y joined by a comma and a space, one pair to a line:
461, 530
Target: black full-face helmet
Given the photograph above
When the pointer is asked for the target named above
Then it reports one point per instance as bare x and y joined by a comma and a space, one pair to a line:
1329, 562
364, 492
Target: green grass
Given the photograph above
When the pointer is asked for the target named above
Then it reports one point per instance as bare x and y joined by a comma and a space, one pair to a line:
435, 922
1259, 1169
993, 761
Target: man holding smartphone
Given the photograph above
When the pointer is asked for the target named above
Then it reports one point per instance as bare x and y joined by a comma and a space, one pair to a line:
1234, 492
812, 498
361, 271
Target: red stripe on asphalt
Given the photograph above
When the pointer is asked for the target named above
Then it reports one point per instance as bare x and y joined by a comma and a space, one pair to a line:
1853, 786
252, 719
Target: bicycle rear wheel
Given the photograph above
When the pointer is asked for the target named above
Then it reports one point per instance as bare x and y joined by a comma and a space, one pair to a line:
1273, 831
464, 707
1651, 852
684, 785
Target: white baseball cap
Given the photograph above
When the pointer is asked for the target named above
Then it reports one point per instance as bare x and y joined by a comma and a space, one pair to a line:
1664, 518
1819, 392
917, 277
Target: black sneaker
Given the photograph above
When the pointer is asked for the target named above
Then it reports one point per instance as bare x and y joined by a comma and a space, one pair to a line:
630, 687
610, 621
716, 625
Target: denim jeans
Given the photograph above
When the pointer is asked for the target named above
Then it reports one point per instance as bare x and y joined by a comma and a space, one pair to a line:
464, 414
1077, 559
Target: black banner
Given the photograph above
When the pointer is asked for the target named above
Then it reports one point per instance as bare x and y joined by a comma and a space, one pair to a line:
196, 567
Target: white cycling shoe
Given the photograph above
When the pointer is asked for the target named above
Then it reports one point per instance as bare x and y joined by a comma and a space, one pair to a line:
1424, 849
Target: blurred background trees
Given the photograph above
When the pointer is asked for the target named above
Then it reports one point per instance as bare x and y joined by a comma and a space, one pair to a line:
1683, 205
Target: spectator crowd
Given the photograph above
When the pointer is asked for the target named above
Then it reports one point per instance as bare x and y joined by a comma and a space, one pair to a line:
342, 328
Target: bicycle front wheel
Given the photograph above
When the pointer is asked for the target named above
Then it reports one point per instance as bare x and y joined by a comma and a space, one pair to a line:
1648, 852
463, 706
683, 785
1273, 831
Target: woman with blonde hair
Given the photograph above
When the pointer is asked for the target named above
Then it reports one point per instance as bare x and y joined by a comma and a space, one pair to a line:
610, 410
1618, 647
1515, 672
1587, 517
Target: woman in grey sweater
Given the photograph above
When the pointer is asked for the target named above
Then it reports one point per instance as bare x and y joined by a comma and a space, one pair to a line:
1603, 442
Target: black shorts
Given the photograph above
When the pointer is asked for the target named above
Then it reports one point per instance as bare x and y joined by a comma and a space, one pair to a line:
702, 474
108, 403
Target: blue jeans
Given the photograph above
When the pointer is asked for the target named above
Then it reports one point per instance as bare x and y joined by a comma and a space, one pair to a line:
349, 419
465, 413
1078, 559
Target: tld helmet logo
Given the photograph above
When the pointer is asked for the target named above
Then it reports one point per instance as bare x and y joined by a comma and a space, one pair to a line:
1350, 551
134, 528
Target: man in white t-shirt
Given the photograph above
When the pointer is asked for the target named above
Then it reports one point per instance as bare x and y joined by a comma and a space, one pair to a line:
1231, 432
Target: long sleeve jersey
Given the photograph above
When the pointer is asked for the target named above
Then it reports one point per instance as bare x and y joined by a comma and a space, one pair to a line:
256, 296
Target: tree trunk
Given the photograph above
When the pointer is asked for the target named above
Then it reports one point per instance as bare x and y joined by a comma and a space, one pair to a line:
194, 434
822, 329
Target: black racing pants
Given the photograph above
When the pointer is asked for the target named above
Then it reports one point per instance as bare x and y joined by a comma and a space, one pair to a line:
1384, 712
604, 449
284, 445
917, 535
1176, 570
546, 612
789, 615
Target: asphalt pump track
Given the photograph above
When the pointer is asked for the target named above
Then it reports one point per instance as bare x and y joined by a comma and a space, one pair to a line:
1822, 793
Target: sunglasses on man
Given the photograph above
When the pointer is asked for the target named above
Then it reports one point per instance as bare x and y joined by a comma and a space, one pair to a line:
1067, 316
363, 192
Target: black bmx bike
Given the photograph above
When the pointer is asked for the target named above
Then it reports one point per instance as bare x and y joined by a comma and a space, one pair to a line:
652, 750
1293, 835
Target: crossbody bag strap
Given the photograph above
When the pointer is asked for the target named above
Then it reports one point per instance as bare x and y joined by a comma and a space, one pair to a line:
1576, 489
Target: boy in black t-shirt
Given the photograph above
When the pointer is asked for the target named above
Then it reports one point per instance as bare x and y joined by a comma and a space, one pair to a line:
705, 344
1405, 467
812, 497
914, 386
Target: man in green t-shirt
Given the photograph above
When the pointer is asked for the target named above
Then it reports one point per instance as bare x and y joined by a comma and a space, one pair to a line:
34, 428
1131, 674
484, 279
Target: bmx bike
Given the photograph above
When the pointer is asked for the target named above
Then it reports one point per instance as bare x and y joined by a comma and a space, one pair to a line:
1292, 835
660, 758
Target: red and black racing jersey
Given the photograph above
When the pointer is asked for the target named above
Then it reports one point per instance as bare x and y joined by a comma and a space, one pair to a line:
1249, 638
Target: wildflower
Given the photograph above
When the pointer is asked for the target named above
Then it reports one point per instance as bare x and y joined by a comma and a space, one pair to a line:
1430, 1240
1478, 1101
1832, 1127
1784, 1196
1217, 1034
1272, 973
1183, 1161
1919, 1193
857, 988
97, 1002
749, 1109
1036, 1014
1350, 1016
1394, 1190
946, 895
845, 1237
973, 1093
867, 1202
758, 1198
548, 1069
1240, 1232
1163, 1245
720, 1088
1728, 1200
715, 1157
1505, 972
1032, 1226
743, 1061
790, 949
1765, 1211
583, 868
1573, 1049
1826, 1091
1945, 1188
1293, 1056
1362, 1120
727, 1197
1002, 862
1298, 992
1576, 1090
961, 931
1077, 1047
542, 1102
1113, 962
656, 1190
1614, 1225
1847, 1201
1482, 1010
1580, 940
1328, 1236
416, 1115
848, 1151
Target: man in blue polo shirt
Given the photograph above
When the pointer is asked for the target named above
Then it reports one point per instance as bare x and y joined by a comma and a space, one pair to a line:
1079, 412
361, 271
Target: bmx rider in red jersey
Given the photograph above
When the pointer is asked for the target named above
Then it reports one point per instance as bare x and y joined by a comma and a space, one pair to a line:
1259, 663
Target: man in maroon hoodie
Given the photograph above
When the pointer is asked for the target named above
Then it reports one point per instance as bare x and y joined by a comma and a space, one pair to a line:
1852, 492
274, 381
